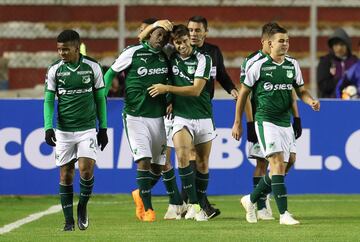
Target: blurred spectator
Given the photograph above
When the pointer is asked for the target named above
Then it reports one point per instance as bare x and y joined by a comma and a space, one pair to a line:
118, 84
332, 66
351, 78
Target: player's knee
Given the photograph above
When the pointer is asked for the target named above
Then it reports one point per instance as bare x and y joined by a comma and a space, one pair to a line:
202, 166
156, 168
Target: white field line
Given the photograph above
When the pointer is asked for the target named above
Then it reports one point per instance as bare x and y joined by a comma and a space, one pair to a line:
57, 208
32, 217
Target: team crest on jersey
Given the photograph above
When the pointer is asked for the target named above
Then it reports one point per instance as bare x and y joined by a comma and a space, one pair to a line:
191, 70
289, 74
86, 79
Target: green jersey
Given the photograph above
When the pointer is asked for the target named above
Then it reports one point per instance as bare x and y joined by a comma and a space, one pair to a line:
184, 72
143, 66
272, 85
75, 87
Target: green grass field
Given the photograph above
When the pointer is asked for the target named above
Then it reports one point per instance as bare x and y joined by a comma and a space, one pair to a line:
112, 218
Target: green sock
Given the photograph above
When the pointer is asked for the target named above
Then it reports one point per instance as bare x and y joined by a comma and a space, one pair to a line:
66, 197
143, 179
202, 181
172, 189
280, 194
188, 182
262, 188
154, 178
86, 187
261, 202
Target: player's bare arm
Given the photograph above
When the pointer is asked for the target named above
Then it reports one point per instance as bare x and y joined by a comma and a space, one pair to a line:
240, 105
193, 90
305, 96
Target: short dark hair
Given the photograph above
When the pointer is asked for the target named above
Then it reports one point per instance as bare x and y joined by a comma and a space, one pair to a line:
267, 28
149, 20
199, 19
68, 35
277, 29
179, 31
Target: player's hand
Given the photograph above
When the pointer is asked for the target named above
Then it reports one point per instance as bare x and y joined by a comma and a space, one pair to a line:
164, 23
169, 113
315, 105
251, 133
50, 137
102, 138
236, 131
297, 127
234, 93
157, 89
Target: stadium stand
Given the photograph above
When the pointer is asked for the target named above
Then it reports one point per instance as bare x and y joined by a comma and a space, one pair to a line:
27, 31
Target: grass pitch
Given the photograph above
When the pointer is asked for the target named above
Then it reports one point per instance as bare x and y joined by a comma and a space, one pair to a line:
112, 218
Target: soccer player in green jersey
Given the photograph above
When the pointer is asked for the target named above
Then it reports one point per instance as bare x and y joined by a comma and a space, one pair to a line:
193, 117
144, 64
272, 79
78, 82
264, 211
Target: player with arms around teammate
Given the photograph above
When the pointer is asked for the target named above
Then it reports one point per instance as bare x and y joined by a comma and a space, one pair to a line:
193, 117
264, 211
272, 79
78, 82
144, 64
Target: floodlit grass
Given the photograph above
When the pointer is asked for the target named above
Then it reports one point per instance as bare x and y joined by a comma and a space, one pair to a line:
112, 218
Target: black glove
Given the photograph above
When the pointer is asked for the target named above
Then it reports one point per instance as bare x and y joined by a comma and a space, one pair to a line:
102, 138
297, 127
50, 137
251, 133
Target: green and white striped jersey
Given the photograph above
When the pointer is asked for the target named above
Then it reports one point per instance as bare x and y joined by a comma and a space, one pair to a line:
143, 66
272, 85
184, 71
75, 87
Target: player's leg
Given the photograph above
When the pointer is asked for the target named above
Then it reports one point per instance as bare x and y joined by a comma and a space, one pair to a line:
139, 138
205, 133
183, 143
66, 192
202, 177
87, 155
86, 170
291, 162
176, 204
264, 211
65, 158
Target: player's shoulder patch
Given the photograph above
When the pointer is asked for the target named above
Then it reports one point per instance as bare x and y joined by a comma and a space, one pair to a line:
54, 63
90, 59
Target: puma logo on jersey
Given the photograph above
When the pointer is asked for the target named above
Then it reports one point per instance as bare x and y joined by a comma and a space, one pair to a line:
269, 74
144, 59
62, 81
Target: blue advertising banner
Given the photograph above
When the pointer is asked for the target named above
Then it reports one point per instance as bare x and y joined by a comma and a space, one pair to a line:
328, 152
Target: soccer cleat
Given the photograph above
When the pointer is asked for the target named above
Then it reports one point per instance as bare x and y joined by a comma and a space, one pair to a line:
173, 212
267, 204
249, 208
211, 212
287, 219
69, 226
192, 210
201, 216
264, 215
149, 215
139, 205
83, 220
183, 209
